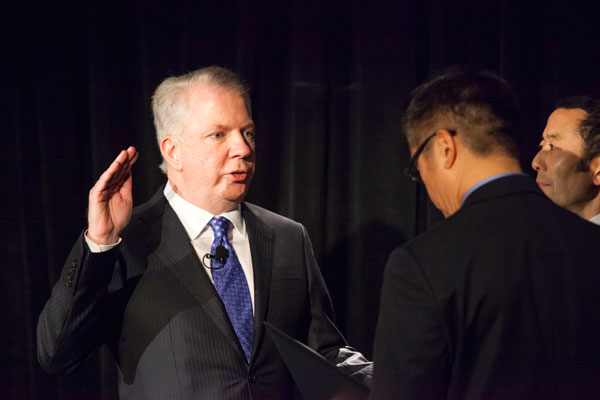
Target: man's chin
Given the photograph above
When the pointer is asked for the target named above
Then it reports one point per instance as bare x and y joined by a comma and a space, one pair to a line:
236, 193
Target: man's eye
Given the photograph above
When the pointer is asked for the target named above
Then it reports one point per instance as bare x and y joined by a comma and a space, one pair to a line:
546, 146
216, 135
249, 134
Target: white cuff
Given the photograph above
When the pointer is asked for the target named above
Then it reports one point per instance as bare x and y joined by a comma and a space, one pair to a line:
98, 248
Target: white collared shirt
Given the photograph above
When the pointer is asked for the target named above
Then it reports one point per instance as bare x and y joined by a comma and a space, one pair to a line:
595, 219
195, 221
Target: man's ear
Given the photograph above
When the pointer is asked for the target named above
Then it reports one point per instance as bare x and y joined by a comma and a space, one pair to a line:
170, 149
446, 147
595, 168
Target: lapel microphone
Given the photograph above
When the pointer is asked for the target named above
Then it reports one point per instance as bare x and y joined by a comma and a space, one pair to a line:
221, 255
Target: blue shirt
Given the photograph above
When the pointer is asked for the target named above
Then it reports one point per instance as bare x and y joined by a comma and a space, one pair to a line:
486, 180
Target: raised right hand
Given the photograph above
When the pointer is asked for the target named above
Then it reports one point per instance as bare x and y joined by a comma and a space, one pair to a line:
111, 201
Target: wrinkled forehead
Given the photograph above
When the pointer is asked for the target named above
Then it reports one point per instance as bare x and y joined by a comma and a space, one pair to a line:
564, 123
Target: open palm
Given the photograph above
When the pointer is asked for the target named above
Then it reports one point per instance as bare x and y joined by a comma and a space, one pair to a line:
111, 200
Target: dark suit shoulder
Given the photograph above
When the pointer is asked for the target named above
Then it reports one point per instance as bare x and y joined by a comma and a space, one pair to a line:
152, 209
270, 218
154, 226
509, 205
502, 230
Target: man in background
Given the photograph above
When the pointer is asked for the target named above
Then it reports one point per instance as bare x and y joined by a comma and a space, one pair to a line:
568, 162
499, 300
178, 288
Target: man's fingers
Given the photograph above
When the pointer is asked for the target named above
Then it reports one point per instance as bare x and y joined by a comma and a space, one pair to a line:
126, 186
116, 174
132, 155
133, 159
124, 173
131, 151
126, 159
117, 178
107, 175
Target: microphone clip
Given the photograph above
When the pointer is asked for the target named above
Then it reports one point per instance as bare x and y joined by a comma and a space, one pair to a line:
221, 256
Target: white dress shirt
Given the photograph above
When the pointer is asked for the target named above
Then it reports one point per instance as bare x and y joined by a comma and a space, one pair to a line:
595, 219
195, 221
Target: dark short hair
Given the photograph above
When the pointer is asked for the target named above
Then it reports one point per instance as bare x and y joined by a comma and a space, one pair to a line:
586, 103
589, 128
481, 106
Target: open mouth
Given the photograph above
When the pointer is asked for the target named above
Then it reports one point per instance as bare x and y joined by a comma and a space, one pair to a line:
238, 176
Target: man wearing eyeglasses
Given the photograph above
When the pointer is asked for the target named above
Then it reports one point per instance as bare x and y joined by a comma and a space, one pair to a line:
499, 300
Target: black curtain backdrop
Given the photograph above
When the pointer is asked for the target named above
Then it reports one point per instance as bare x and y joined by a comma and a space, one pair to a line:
328, 80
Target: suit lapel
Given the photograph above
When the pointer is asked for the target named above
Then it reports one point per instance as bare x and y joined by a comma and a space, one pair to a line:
262, 239
173, 249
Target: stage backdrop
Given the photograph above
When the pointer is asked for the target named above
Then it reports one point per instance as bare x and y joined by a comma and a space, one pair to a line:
328, 79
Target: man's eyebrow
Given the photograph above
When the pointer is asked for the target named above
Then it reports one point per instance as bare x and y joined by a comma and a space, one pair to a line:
249, 125
551, 136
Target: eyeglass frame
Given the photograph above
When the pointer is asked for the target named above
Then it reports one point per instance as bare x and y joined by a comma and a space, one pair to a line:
411, 171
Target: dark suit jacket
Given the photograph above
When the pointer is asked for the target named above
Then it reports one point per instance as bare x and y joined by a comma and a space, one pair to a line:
499, 301
152, 303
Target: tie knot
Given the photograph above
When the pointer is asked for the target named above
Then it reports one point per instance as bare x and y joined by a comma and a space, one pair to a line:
219, 225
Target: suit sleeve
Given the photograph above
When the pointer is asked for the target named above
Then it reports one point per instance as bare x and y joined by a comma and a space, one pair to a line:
410, 351
72, 324
323, 335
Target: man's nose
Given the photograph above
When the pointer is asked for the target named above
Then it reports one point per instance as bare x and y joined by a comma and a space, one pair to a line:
538, 162
240, 145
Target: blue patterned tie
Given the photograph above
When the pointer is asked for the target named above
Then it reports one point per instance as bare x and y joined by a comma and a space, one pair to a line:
230, 283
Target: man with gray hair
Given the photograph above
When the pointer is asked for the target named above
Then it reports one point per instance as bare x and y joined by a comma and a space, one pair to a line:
568, 162
179, 287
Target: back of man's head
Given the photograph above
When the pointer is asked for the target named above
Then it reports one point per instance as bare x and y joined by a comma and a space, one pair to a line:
589, 128
478, 104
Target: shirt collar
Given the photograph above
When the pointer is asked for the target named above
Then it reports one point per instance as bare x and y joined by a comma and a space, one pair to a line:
595, 219
195, 219
484, 181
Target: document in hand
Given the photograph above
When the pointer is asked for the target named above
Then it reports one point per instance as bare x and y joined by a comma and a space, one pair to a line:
315, 377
